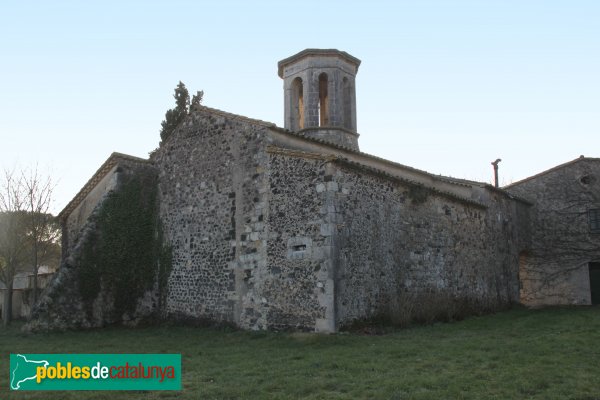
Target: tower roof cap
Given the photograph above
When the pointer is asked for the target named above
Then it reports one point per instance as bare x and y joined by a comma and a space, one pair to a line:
319, 53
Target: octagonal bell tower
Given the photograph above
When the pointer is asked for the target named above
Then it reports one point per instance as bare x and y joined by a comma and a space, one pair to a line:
320, 95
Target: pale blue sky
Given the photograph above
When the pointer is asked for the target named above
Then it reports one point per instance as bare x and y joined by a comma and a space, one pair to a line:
445, 86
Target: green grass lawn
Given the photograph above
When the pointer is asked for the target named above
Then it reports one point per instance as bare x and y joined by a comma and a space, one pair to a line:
519, 354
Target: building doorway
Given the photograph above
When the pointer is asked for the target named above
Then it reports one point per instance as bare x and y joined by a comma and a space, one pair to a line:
595, 282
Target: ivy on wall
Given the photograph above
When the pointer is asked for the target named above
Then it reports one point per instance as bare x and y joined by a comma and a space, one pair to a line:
125, 256
418, 194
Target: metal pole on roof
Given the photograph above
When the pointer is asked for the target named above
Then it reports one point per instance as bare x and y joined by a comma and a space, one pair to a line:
495, 164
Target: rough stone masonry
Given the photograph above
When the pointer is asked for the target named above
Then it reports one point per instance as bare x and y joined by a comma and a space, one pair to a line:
295, 228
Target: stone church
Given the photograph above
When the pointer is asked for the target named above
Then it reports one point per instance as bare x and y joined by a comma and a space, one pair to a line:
296, 228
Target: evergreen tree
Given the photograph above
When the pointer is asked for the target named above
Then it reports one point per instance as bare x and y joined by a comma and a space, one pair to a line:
196, 100
183, 106
175, 116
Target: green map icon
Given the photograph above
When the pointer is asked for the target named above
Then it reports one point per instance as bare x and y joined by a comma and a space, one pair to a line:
23, 369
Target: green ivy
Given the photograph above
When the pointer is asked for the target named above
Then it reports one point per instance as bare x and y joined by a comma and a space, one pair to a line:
125, 256
418, 194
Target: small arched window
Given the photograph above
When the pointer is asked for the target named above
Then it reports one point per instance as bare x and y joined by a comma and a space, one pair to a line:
323, 100
297, 104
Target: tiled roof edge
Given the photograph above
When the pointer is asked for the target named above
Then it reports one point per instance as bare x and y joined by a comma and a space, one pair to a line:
110, 162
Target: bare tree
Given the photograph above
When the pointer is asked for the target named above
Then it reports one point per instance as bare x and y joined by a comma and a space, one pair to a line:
29, 234
38, 191
13, 241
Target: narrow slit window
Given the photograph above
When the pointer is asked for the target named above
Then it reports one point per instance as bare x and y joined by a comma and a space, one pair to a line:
299, 247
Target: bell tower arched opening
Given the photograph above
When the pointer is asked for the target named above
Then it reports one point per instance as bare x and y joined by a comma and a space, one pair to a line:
347, 101
323, 100
297, 104
319, 98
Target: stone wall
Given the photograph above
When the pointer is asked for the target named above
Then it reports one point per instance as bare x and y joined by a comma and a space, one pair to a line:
213, 185
270, 230
270, 237
298, 283
248, 227
22, 300
62, 304
75, 221
400, 242
556, 269
338, 136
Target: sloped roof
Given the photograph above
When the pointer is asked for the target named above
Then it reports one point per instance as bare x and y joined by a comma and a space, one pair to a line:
104, 169
558, 167
116, 157
393, 164
456, 181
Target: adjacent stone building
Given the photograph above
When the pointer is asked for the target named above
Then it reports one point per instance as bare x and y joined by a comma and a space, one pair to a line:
295, 228
562, 263
22, 295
